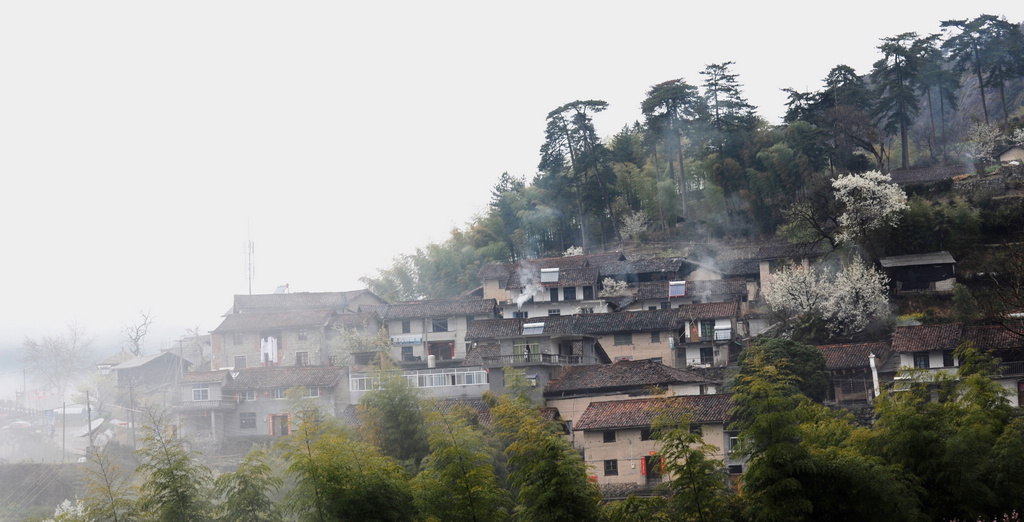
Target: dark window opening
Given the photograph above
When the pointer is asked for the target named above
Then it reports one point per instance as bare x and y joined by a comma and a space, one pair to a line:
406, 326
609, 436
611, 467
554, 294
569, 294
588, 292
440, 325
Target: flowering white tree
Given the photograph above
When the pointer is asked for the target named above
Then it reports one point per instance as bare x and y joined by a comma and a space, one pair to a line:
981, 141
635, 224
870, 201
1018, 137
613, 287
845, 301
573, 251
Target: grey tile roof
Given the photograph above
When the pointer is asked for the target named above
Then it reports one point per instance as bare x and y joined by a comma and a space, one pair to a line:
285, 377
619, 376
790, 251
641, 265
927, 337
739, 267
142, 361
298, 301
638, 321
275, 319
439, 308
659, 289
200, 377
993, 337
933, 258
699, 311
853, 356
573, 276
638, 413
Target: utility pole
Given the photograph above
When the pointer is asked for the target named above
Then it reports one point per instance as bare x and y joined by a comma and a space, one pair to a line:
88, 409
131, 410
64, 433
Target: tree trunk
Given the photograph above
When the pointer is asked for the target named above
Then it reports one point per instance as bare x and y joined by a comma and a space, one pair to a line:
931, 120
682, 177
1002, 98
981, 85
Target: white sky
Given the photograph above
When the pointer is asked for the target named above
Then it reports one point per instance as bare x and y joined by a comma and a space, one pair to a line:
141, 143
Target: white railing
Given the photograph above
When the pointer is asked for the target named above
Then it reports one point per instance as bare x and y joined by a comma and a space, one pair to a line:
434, 378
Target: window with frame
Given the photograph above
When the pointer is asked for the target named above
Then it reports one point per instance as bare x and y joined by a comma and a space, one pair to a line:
554, 312
407, 353
697, 429
586, 310
652, 308
248, 395
554, 295
303, 334
239, 362
645, 434
608, 436
313, 391
201, 392
277, 393
521, 315
921, 360
665, 305
624, 338
236, 338
655, 337
707, 356
247, 420
707, 329
301, 358
569, 293
406, 326
525, 350
611, 467
439, 325
947, 359
588, 293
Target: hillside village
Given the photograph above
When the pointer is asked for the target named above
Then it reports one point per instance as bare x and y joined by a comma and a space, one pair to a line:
792, 324
602, 339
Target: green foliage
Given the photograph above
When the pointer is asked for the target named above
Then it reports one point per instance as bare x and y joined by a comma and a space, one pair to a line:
392, 419
337, 478
109, 491
177, 486
548, 477
698, 485
804, 362
637, 509
458, 480
245, 493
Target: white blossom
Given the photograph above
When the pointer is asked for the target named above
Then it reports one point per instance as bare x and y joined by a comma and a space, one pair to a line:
870, 200
846, 300
981, 141
573, 251
1018, 137
613, 287
634, 224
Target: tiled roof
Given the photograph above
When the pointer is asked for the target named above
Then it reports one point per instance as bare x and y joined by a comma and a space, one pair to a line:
638, 413
142, 361
659, 289
993, 337
296, 301
698, 311
438, 308
926, 337
581, 324
933, 258
508, 328
622, 375
214, 376
739, 267
638, 321
790, 251
490, 271
275, 319
853, 356
354, 320
117, 358
641, 265
930, 174
285, 377
573, 276
445, 405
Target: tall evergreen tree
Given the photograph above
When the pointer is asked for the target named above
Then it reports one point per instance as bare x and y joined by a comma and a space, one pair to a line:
896, 84
670, 107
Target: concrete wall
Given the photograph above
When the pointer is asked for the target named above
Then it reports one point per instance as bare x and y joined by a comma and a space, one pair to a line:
629, 451
642, 347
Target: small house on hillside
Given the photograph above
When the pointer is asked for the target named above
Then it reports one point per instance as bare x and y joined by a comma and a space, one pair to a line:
932, 272
1014, 153
851, 370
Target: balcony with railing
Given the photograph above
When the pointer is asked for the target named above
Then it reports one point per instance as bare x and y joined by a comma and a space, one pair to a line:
717, 335
535, 359
213, 404
1015, 368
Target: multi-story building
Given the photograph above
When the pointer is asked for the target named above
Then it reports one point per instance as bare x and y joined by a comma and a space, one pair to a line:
617, 441
433, 327
710, 332
285, 329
